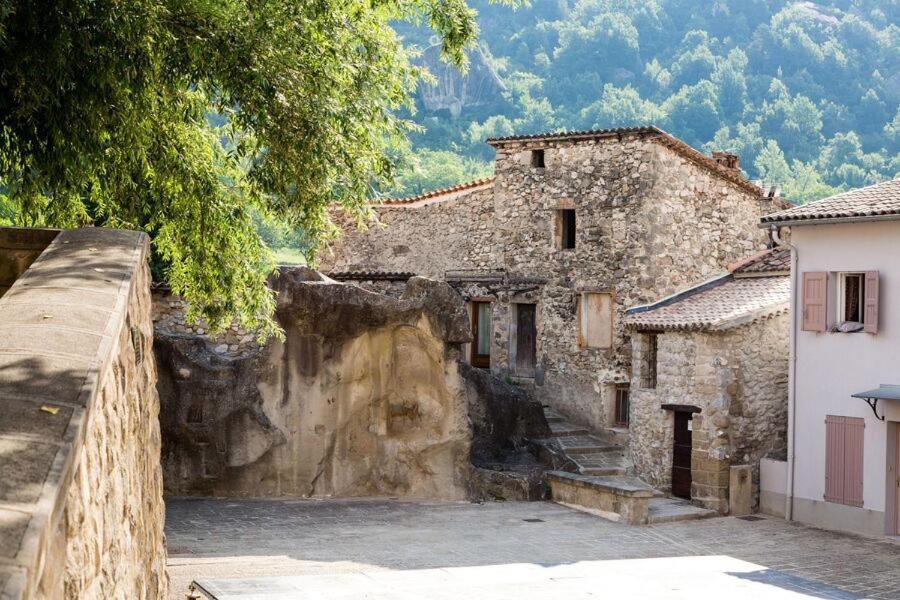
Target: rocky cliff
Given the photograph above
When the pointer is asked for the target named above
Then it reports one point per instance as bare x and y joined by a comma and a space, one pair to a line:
454, 90
362, 397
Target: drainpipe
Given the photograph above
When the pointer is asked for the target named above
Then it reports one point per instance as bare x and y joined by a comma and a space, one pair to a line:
792, 375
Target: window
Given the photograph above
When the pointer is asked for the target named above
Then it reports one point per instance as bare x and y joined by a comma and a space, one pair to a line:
565, 228
537, 159
844, 460
857, 302
481, 334
595, 320
648, 379
855, 298
850, 298
622, 405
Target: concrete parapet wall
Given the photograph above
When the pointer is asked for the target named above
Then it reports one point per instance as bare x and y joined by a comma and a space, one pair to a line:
81, 510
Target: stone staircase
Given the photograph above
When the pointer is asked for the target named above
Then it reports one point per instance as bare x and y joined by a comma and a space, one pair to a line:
594, 473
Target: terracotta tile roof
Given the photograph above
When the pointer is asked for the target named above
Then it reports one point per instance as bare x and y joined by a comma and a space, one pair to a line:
462, 187
653, 133
881, 200
370, 275
572, 135
755, 288
717, 306
771, 260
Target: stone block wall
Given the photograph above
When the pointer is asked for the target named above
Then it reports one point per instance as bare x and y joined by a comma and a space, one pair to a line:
81, 490
427, 238
738, 378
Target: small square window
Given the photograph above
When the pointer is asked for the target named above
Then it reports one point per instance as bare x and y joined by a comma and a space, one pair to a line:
565, 229
537, 159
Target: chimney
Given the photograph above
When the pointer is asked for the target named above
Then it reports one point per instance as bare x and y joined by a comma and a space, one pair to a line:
727, 160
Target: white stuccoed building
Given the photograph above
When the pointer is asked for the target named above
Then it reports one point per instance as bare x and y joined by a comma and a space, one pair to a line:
844, 413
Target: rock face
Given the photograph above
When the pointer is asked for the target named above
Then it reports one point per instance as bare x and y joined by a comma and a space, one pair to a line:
505, 419
362, 397
455, 91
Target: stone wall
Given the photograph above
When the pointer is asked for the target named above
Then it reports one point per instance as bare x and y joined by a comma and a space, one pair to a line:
426, 238
81, 491
650, 220
18, 249
361, 398
739, 380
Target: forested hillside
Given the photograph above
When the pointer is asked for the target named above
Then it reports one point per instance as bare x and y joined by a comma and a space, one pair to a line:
806, 93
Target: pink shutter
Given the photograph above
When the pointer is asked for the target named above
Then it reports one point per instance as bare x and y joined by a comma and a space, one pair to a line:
834, 458
870, 304
814, 301
854, 432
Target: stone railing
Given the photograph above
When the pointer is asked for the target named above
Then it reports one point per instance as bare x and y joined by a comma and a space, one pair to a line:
81, 511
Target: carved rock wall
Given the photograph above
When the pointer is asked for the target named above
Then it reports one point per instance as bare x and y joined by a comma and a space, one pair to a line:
361, 398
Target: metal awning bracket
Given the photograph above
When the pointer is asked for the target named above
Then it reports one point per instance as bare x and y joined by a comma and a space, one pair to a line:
873, 404
882, 392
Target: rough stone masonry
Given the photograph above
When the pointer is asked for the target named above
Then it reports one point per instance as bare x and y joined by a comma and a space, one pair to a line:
651, 215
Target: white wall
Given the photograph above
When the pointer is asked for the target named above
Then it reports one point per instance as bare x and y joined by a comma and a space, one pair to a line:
832, 366
772, 483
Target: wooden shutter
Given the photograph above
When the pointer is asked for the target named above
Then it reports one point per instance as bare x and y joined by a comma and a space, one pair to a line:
814, 300
834, 459
854, 431
844, 443
595, 320
870, 303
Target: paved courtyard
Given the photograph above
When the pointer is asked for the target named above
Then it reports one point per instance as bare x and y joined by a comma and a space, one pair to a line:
380, 549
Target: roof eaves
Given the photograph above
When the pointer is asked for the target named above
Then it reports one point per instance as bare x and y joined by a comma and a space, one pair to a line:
680, 295
573, 135
462, 187
768, 221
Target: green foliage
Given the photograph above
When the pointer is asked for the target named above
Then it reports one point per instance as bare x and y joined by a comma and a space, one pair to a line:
434, 169
816, 79
185, 118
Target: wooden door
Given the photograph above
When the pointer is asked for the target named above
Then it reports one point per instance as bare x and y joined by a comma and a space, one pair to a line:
526, 339
897, 485
681, 456
481, 334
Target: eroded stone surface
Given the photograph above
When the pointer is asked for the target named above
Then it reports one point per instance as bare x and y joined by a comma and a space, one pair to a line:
361, 398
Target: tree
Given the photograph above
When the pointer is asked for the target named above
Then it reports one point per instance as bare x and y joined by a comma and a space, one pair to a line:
183, 117
621, 107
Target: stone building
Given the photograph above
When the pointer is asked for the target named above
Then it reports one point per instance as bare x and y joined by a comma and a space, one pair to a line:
709, 381
572, 229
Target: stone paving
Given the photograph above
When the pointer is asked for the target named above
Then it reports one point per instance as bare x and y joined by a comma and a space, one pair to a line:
516, 550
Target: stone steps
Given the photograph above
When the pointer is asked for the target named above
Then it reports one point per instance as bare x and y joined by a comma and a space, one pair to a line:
596, 477
561, 428
668, 510
552, 416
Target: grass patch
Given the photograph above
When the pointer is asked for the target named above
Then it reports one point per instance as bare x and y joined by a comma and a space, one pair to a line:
289, 256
